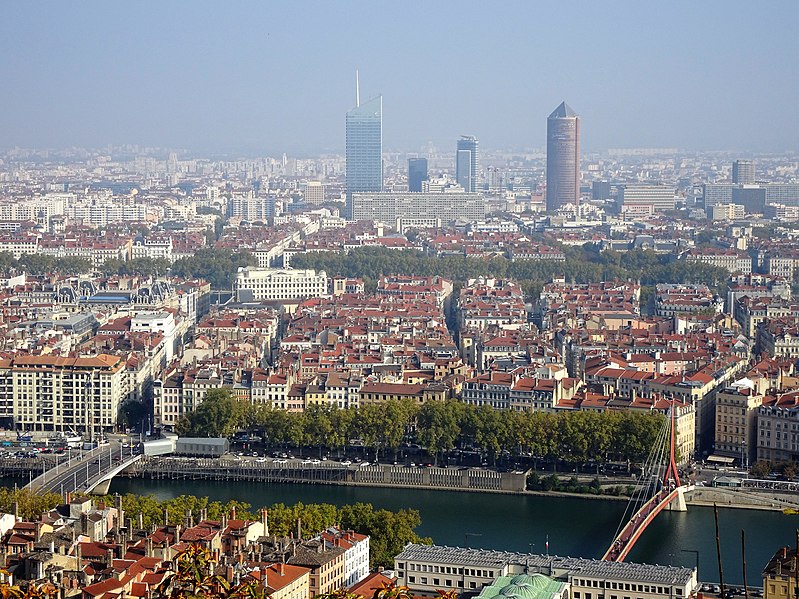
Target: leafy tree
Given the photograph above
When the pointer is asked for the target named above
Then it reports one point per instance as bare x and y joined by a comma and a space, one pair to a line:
581, 265
389, 531
761, 469
29, 504
789, 470
219, 415
193, 577
383, 426
218, 266
390, 590
438, 426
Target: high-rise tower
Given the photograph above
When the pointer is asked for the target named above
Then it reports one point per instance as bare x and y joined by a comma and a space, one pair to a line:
563, 157
466, 163
364, 146
417, 172
743, 172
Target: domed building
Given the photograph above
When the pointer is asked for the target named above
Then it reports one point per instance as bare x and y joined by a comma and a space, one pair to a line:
525, 586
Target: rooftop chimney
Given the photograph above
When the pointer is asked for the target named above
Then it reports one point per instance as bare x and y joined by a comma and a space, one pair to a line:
233, 513
265, 521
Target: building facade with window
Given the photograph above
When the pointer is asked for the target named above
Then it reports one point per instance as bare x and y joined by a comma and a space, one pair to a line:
51, 393
428, 568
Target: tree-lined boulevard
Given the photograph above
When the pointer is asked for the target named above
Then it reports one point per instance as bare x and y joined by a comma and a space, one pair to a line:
437, 426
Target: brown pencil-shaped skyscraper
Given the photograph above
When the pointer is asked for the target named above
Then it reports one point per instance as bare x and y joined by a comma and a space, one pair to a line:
563, 157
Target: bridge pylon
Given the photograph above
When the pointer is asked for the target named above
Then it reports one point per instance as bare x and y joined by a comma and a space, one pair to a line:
671, 475
670, 495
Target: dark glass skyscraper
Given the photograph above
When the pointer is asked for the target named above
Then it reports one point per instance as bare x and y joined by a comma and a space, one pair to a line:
563, 157
466, 163
417, 172
364, 147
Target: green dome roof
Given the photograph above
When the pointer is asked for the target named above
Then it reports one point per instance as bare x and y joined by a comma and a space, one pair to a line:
522, 586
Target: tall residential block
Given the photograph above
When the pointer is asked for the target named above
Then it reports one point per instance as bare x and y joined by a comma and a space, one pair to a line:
54, 393
313, 192
563, 157
364, 147
417, 172
743, 172
466, 163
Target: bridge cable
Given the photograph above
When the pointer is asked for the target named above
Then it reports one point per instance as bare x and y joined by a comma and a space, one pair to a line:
650, 477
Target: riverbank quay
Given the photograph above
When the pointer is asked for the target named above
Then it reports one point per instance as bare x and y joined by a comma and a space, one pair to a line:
328, 472
743, 499
296, 471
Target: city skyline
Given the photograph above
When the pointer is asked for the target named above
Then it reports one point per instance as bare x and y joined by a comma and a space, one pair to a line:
74, 80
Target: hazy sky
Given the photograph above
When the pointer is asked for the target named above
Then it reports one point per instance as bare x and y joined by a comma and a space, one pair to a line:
273, 76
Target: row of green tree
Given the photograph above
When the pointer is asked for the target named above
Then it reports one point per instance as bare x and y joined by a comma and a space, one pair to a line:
216, 265
40, 264
27, 504
439, 426
389, 531
582, 265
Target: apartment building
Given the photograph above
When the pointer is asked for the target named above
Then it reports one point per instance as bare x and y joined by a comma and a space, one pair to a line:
736, 420
750, 312
378, 393
733, 260
50, 393
144, 247
276, 284
356, 553
19, 244
779, 338
778, 429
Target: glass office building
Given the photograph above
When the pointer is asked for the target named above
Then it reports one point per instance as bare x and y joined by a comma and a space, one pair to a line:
364, 147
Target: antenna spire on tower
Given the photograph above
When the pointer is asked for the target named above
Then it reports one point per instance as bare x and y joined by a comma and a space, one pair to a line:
357, 90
